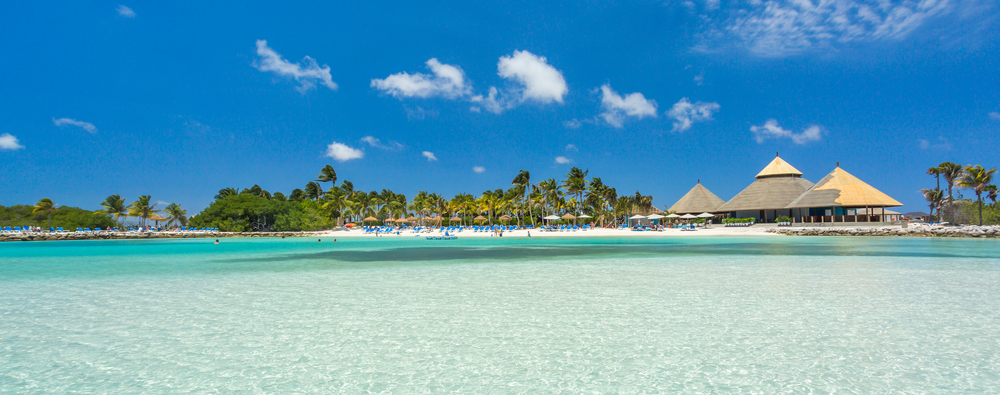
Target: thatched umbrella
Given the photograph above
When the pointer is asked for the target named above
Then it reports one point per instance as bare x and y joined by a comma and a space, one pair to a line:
479, 218
455, 219
369, 219
157, 218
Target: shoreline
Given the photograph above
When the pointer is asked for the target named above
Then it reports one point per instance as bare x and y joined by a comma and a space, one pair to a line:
913, 230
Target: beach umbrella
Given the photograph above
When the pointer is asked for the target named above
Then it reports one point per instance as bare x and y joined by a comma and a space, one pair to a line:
688, 216
637, 216
551, 217
505, 217
705, 215
455, 219
401, 220
157, 218
673, 216
568, 217
480, 218
656, 216
369, 219
585, 216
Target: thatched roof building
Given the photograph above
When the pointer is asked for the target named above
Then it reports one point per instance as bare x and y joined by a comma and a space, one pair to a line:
777, 185
842, 189
698, 200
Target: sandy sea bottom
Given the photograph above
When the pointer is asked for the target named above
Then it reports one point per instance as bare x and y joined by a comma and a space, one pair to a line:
698, 315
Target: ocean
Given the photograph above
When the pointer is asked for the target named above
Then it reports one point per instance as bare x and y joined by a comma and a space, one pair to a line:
501, 315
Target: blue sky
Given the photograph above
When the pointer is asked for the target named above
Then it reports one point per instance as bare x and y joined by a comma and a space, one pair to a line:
180, 100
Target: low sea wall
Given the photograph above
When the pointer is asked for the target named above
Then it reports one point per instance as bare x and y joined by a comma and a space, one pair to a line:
53, 236
910, 231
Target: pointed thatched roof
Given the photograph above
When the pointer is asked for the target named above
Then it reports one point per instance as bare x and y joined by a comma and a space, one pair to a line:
776, 186
842, 189
778, 167
698, 200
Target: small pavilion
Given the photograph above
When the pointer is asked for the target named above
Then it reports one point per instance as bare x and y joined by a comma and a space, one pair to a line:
698, 200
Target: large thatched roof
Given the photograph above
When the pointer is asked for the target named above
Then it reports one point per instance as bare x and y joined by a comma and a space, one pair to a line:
698, 200
778, 167
776, 186
842, 189
770, 193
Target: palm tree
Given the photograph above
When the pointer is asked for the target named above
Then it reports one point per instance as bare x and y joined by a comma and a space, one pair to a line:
143, 208
951, 173
991, 192
936, 172
313, 191
977, 178
115, 205
46, 206
176, 215
297, 195
934, 197
336, 202
224, 192
523, 182
327, 175
575, 184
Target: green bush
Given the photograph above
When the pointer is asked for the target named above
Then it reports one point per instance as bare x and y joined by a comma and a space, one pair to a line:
246, 212
783, 218
62, 217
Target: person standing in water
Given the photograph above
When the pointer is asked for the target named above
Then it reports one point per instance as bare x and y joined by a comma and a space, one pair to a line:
216, 241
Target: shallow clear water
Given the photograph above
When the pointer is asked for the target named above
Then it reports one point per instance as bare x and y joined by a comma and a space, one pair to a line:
542, 315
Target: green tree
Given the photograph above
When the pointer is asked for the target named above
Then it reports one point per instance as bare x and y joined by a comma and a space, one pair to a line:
45, 205
977, 178
226, 192
176, 216
114, 205
143, 208
523, 182
934, 197
951, 173
327, 174
313, 191
575, 184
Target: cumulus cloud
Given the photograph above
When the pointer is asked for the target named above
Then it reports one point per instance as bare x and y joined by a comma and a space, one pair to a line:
493, 102
771, 130
446, 81
940, 143
785, 27
429, 155
374, 142
571, 148
125, 11
616, 107
995, 116
541, 81
8, 142
89, 127
307, 73
478, 169
685, 113
562, 160
342, 152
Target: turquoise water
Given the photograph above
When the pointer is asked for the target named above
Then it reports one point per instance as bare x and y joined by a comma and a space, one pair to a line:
542, 315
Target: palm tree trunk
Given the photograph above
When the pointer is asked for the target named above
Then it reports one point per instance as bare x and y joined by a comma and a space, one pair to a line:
980, 199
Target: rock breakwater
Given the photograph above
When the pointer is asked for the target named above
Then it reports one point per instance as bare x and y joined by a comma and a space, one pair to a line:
899, 231
104, 235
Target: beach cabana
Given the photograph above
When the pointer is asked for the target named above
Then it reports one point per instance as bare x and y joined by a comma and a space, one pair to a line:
156, 218
698, 200
839, 197
767, 198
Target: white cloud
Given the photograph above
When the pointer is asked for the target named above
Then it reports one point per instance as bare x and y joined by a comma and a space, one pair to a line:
699, 79
419, 113
447, 81
541, 82
616, 107
125, 11
571, 148
995, 116
771, 130
307, 73
89, 127
343, 153
686, 113
374, 142
562, 160
429, 155
479, 169
8, 142
785, 27
940, 143
493, 102
572, 124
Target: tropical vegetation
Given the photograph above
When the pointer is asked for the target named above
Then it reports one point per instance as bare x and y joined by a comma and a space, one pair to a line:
956, 209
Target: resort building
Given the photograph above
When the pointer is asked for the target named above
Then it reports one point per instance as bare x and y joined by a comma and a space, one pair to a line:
842, 197
769, 195
698, 200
